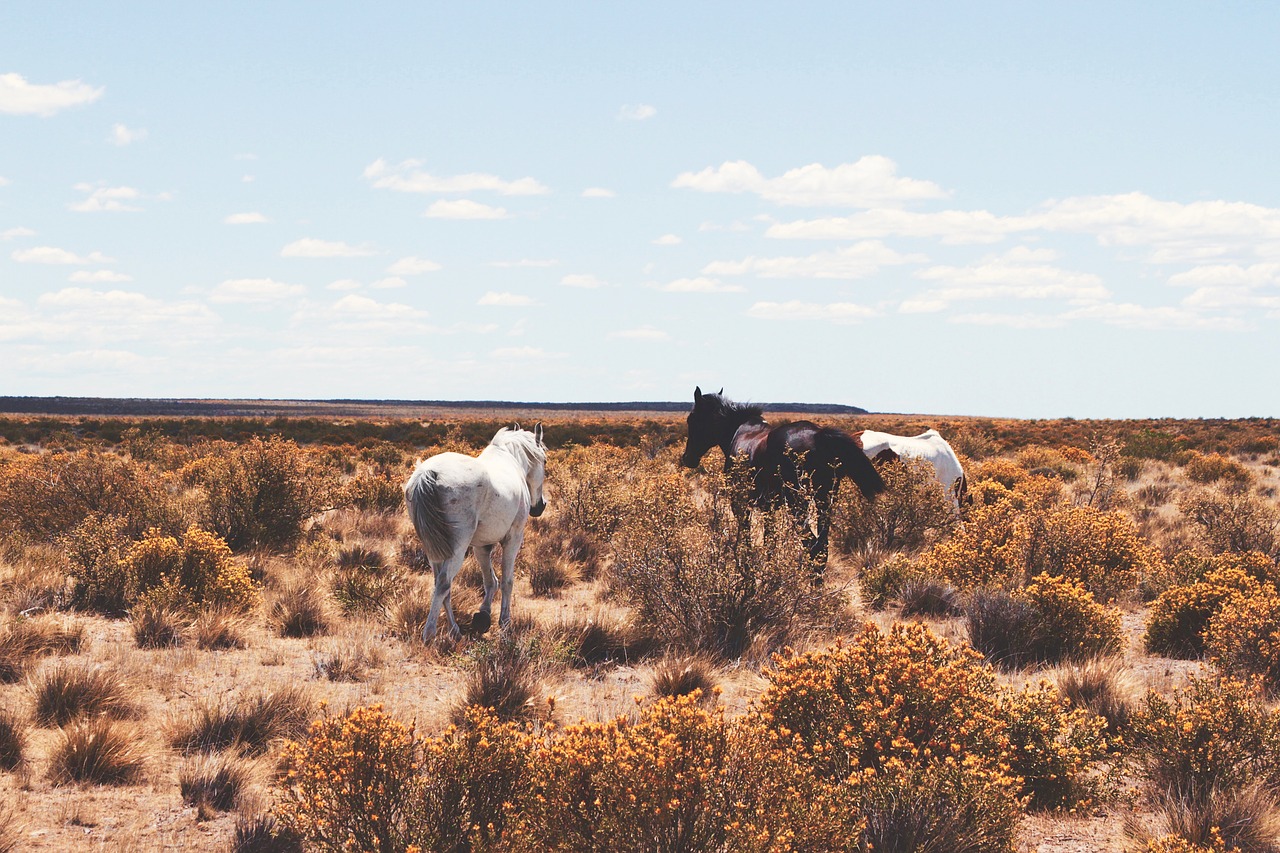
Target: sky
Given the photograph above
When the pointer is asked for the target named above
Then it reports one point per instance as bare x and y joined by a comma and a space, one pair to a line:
1003, 209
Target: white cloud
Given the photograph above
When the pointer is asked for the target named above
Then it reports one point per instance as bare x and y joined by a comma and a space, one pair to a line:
834, 312
412, 266
1012, 321
872, 181
254, 291
389, 283
524, 353
52, 255
637, 112
1129, 315
464, 208
857, 261
357, 313
309, 247
96, 316
19, 97
98, 277
1219, 298
409, 177
1229, 275
1020, 273
505, 300
106, 199
250, 218
643, 333
4, 182
344, 284
589, 282
121, 135
701, 284
598, 192
667, 240
15, 233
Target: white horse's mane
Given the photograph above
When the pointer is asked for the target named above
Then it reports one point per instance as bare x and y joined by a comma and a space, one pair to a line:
522, 444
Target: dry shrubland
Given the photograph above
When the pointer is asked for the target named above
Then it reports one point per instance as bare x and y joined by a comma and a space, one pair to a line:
210, 639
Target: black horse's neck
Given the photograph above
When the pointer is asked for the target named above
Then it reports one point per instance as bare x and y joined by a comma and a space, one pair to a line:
731, 417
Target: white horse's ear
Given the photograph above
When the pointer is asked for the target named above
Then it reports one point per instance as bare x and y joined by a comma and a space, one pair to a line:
537, 431
697, 393
516, 426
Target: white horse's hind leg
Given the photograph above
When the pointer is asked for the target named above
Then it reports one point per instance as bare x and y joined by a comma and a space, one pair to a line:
484, 616
441, 597
510, 547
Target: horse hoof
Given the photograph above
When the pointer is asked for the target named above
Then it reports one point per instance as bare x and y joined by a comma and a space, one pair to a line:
481, 622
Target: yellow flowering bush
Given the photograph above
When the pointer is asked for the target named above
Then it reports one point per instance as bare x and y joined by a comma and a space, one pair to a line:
1243, 638
1212, 735
1180, 617
1050, 620
1056, 749
1215, 467
200, 570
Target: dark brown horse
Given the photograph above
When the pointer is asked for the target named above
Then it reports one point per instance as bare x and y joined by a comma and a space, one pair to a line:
785, 466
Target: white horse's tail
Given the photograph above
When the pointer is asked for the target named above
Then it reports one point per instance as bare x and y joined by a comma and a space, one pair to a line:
426, 507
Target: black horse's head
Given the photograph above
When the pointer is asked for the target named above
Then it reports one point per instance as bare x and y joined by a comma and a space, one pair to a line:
705, 423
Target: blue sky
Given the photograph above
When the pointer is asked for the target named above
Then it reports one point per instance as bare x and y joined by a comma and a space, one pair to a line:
983, 208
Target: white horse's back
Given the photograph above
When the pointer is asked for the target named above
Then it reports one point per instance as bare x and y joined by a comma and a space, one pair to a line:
928, 445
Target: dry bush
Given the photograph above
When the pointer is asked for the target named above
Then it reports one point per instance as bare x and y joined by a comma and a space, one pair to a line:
47, 495
682, 675
1052, 459
548, 565
99, 751
1236, 521
94, 552
1246, 820
1102, 686
249, 724
214, 783
260, 492
1050, 620
65, 691
503, 678
593, 498
301, 610
698, 578
13, 740
598, 638
1215, 468
372, 491
34, 579
882, 582
366, 589
913, 509
408, 613
216, 628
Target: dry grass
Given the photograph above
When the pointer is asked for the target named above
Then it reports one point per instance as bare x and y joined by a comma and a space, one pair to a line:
24, 640
218, 628
157, 626
248, 723
301, 611
681, 676
13, 741
1102, 685
262, 833
214, 782
100, 751
66, 691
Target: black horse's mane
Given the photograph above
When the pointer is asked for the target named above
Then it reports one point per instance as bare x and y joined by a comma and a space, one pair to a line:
743, 412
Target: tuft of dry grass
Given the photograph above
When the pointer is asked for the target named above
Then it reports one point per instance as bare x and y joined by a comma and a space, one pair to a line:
66, 691
249, 723
1246, 819
262, 833
13, 741
407, 614
600, 638
214, 782
23, 640
300, 610
351, 659
219, 628
1103, 686
681, 676
504, 679
157, 626
99, 751
10, 829
926, 596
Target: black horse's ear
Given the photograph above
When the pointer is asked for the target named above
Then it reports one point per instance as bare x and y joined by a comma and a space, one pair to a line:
697, 393
720, 393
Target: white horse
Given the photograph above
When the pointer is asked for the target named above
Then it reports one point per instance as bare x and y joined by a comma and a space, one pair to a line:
930, 445
457, 501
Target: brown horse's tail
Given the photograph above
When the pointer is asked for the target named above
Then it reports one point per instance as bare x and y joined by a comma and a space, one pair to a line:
853, 463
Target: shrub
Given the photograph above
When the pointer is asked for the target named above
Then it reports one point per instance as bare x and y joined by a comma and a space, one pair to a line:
1055, 749
930, 597
249, 724
1212, 735
66, 691
94, 552
100, 751
1233, 521
1242, 637
1179, 618
1215, 467
698, 577
550, 570
300, 611
1102, 686
883, 582
214, 782
1051, 620
156, 625
351, 783
372, 492
913, 508
263, 833
259, 493
682, 676
504, 678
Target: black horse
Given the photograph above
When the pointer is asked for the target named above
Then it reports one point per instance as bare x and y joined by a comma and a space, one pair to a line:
785, 466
